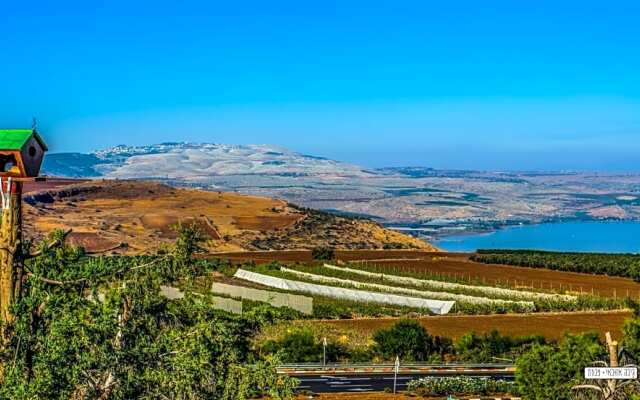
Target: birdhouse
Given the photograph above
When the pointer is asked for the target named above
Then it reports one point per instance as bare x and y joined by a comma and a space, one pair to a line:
21, 153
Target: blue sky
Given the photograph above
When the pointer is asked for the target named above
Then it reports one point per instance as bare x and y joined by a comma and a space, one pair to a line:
460, 84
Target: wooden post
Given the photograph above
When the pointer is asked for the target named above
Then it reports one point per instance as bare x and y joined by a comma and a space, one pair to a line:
612, 347
11, 257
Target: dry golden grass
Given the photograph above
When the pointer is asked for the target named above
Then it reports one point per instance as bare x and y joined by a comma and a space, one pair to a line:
141, 216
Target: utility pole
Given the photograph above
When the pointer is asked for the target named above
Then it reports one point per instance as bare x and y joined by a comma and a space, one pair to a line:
324, 352
21, 155
396, 369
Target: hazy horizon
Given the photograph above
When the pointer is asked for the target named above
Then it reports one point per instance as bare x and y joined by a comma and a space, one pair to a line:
510, 86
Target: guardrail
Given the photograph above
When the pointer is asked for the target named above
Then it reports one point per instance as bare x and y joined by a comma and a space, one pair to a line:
408, 368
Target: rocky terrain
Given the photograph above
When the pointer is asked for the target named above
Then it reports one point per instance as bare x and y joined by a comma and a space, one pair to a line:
419, 200
137, 217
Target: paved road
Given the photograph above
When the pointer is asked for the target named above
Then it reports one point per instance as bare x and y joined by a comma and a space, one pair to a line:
359, 382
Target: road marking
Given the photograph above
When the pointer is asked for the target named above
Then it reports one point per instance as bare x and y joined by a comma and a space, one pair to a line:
355, 386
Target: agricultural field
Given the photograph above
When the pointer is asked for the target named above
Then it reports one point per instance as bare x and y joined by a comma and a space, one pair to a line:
469, 297
459, 266
459, 276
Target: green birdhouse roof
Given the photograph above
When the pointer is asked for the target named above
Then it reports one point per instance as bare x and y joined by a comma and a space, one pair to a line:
15, 139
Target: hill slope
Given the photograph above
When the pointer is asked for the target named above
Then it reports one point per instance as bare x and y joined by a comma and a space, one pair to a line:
136, 216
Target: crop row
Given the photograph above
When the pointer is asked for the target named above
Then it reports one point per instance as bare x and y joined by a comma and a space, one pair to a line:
464, 307
551, 303
526, 306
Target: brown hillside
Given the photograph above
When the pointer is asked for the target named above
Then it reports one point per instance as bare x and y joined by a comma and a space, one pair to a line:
136, 217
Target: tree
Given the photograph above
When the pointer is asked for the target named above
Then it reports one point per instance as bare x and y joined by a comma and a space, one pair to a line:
631, 337
489, 346
406, 339
98, 328
550, 371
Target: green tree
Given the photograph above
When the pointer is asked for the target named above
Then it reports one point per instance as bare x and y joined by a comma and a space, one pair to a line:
549, 371
98, 328
406, 339
631, 331
489, 346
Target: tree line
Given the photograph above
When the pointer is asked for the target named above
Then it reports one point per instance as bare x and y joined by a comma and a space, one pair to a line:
624, 265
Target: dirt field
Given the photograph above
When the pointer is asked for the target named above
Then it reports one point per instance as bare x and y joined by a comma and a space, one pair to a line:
458, 265
550, 325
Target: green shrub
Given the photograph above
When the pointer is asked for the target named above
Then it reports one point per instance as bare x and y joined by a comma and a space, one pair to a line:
476, 348
460, 385
300, 346
631, 337
548, 372
408, 340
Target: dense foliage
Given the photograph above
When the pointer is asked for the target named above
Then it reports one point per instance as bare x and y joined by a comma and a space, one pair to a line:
550, 371
494, 347
300, 346
625, 265
98, 328
631, 333
409, 340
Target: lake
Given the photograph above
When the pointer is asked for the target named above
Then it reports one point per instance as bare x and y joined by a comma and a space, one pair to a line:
582, 236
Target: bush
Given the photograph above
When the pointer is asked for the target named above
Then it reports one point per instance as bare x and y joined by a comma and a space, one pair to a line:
323, 253
549, 372
461, 385
631, 337
408, 340
300, 346
486, 348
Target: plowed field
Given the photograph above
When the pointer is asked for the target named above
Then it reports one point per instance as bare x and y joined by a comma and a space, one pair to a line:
550, 325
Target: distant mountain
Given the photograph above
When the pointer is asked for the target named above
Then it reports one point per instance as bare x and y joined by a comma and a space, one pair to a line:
421, 200
184, 161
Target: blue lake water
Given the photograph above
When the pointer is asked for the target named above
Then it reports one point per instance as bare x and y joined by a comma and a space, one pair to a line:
583, 236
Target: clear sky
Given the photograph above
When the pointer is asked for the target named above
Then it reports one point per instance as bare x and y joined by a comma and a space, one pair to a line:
449, 84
